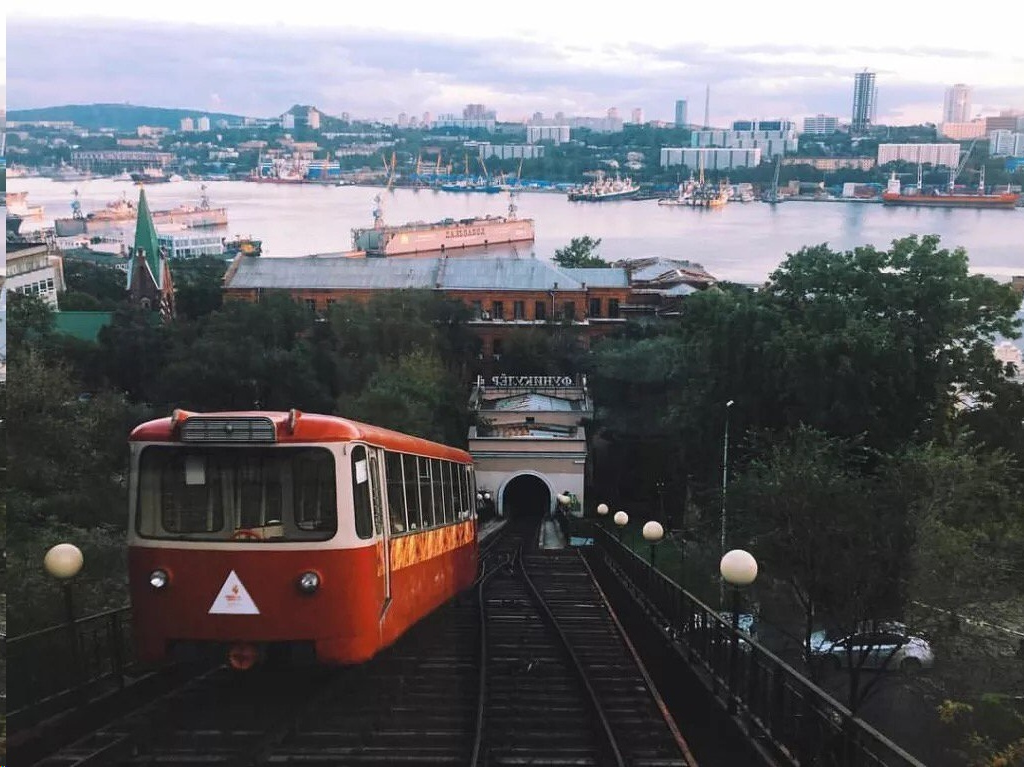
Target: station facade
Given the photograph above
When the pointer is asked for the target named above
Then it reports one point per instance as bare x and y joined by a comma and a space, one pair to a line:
529, 441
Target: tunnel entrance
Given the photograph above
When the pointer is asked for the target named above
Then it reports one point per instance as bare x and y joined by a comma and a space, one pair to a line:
525, 496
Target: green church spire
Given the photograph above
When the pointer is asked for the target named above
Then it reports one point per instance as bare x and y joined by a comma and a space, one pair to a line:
146, 239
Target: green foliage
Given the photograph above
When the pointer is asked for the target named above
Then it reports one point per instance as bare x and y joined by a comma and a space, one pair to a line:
105, 287
967, 507
988, 731
67, 453
197, 286
409, 394
580, 253
29, 320
823, 525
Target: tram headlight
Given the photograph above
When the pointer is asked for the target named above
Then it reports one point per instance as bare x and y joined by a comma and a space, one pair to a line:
158, 579
309, 582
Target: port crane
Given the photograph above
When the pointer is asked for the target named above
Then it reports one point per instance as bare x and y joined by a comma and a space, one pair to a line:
390, 171
955, 173
773, 193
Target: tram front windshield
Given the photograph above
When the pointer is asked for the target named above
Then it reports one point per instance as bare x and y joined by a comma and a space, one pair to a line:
244, 494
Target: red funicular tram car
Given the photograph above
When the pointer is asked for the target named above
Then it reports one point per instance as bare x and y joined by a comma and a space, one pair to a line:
254, 532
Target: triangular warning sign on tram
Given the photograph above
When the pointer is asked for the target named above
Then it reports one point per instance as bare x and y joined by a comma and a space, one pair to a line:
233, 599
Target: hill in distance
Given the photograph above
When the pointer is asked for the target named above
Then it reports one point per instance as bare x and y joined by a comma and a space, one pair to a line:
121, 117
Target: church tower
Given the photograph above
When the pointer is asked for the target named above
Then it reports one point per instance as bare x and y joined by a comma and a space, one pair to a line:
149, 276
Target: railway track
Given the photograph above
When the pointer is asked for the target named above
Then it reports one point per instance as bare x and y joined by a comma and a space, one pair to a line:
529, 667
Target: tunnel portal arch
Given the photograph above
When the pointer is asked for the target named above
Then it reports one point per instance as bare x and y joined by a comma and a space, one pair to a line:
520, 481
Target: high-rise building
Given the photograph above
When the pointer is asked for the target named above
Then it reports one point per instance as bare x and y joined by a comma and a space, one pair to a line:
203, 123
769, 137
957, 108
1008, 119
865, 102
680, 113
613, 113
187, 125
821, 124
638, 116
477, 112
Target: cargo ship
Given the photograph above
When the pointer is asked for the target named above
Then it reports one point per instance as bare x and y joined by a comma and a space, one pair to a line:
18, 204
449, 234
894, 195
603, 189
193, 216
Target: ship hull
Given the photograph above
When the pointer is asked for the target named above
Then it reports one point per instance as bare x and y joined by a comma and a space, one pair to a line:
583, 197
430, 238
193, 219
1007, 201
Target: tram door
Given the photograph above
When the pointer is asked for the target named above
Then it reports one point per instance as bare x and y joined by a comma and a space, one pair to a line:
380, 523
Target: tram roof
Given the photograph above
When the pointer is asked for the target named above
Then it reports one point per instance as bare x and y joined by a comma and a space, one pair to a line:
309, 428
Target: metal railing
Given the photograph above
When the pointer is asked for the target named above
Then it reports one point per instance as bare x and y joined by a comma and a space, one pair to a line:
777, 705
57, 668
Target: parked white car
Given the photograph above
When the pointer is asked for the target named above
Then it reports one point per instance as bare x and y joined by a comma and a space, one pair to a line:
887, 647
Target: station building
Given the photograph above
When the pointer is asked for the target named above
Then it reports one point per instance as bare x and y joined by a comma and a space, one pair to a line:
530, 442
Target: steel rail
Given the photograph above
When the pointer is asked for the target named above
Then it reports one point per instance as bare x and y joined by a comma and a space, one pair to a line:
580, 669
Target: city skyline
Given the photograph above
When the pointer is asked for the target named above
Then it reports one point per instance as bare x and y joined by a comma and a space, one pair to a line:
370, 71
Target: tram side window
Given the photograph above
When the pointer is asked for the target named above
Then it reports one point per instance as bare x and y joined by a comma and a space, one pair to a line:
458, 496
451, 493
396, 492
426, 494
471, 489
361, 504
437, 485
412, 491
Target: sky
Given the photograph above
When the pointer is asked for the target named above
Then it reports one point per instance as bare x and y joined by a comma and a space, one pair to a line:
371, 60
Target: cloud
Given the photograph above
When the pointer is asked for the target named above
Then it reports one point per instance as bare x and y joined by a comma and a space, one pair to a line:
379, 73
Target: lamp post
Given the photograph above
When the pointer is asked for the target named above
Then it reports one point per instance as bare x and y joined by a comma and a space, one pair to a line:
653, 533
660, 486
63, 562
739, 569
725, 484
602, 514
621, 519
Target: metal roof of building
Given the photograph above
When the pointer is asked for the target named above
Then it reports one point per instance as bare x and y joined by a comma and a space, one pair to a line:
456, 273
601, 277
534, 401
666, 270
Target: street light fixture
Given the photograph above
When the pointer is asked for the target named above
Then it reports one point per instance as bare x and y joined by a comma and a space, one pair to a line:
653, 533
739, 569
63, 562
725, 484
621, 519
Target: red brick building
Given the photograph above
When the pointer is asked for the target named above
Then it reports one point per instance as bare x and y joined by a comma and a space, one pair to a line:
504, 293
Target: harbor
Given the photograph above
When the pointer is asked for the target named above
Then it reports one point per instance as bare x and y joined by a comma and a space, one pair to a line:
738, 242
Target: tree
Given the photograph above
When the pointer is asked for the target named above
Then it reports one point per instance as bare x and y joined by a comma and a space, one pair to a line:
413, 394
823, 526
579, 253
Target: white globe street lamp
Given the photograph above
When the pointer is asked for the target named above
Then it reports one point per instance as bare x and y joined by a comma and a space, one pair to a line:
63, 562
621, 519
653, 532
602, 509
738, 569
